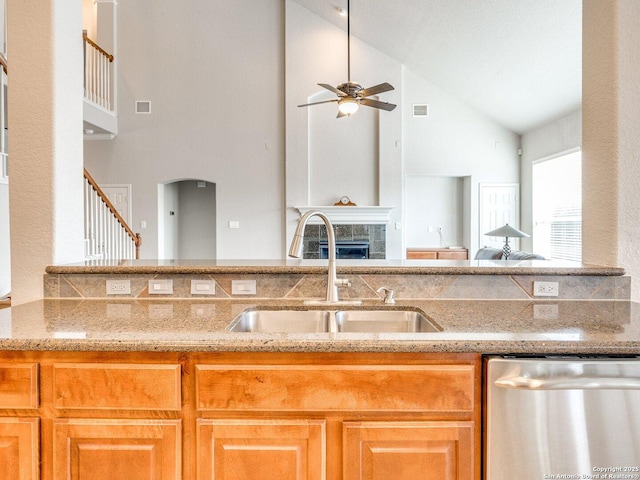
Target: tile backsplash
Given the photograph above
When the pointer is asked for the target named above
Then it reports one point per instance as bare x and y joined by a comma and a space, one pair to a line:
364, 286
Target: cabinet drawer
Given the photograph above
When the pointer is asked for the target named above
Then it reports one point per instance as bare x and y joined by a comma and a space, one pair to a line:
382, 388
106, 386
453, 255
19, 385
417, 255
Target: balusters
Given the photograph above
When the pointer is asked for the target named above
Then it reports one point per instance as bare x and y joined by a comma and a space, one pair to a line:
97, 74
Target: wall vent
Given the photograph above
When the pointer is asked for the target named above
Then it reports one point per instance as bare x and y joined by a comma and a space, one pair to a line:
143, 106
420, 110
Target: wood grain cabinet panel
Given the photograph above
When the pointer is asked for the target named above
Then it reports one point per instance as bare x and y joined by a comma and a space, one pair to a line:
261, 449
85, 449
361, 388
106, 386
19, 385
19, 448
408, 451
437, 254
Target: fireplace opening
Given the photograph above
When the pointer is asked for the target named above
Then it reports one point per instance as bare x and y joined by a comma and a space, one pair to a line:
345, 249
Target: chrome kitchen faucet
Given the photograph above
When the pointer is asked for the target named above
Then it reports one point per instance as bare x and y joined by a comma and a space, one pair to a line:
332, 281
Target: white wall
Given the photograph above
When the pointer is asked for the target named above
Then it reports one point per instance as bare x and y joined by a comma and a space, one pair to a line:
316, 52
343, 155
5, 252
431, 202
196, 220
214, 73
563, 135
456, 141
46, 194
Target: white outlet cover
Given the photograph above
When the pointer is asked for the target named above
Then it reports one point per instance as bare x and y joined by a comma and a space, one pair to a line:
119, 287
545, 289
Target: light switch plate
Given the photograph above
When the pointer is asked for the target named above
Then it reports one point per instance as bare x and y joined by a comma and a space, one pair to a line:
203, 287
243, 287
160, 287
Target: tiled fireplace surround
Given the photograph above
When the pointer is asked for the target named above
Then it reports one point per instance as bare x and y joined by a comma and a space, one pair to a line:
374, 234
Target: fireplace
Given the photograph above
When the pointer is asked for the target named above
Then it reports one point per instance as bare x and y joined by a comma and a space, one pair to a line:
353, 241
345, 249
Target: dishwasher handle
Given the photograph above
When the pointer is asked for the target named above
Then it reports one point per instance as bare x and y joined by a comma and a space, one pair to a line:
568, 383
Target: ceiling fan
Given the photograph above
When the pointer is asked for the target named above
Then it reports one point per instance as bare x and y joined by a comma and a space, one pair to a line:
351, 94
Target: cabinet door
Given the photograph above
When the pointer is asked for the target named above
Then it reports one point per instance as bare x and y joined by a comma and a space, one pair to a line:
261, 450
116, 449
19, 450
408, 451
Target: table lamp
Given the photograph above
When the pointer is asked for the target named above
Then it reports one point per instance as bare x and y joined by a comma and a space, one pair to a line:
506, 231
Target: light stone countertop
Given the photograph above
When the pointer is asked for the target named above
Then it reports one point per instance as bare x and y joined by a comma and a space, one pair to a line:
491, 326
390, 267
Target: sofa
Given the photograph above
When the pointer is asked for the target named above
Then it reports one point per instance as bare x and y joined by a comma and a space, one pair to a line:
487, 253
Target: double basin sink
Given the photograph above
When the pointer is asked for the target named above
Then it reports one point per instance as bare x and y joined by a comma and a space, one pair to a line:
264, 320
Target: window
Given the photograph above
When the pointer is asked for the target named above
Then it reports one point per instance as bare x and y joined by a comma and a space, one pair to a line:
557, 207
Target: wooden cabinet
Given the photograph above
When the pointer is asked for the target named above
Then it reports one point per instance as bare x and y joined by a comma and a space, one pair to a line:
408, 450
437, 254
261, 449
386, 416
20, 432
19, 448
105, 449
239, 416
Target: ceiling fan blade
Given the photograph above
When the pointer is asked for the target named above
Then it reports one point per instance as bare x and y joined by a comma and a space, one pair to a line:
376, 104
383, 87
318, 103
332, 89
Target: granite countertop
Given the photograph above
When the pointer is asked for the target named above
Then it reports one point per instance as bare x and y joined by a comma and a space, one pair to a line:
502, 326
391, 267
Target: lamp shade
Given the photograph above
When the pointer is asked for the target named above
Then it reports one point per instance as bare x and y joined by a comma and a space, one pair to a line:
506, 231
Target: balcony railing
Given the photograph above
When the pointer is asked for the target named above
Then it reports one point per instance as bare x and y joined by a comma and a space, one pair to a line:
98, 74
107, 235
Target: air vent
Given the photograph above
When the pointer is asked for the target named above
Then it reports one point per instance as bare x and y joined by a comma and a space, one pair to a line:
143, 106
420, 110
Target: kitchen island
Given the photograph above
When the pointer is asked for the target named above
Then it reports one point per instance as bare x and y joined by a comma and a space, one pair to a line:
154, 386
102, 388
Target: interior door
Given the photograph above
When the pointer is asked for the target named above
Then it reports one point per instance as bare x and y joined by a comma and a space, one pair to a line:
119, 196
499, 204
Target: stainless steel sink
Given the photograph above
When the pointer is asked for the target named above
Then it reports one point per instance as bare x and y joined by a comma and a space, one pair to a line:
261, 320
281, 321
379, 321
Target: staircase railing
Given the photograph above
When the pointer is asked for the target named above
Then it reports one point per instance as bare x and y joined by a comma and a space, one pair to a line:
107, 235
98, 74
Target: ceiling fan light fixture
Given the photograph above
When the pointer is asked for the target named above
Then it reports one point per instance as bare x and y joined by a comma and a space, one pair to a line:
347, 106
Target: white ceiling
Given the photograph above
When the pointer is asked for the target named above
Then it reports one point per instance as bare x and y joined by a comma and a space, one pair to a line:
518, 61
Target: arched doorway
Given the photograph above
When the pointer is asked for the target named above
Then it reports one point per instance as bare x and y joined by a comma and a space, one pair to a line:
187, 219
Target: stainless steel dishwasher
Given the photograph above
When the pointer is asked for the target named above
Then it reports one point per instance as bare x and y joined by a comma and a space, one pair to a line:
563, 418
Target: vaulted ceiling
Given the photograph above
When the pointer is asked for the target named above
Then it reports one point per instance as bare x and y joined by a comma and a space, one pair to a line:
518, 61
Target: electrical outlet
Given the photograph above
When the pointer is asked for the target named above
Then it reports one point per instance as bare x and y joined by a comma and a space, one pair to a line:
118, 287
545, 311
545, 289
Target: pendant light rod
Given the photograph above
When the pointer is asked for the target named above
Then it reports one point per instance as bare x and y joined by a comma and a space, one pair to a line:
348, 42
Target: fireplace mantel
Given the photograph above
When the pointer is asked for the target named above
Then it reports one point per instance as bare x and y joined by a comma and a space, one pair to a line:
345, 215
